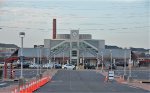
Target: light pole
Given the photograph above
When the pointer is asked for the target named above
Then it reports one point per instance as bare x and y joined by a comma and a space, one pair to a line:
47, 58
39, 66
38, 62
125, 63
22, 35
40, 59
102, 62
98, 60
54, 60
63, 57
50, 57
83, 60
111, 58
130, 62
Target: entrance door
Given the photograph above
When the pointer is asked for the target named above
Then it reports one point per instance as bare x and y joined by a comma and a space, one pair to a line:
74, 62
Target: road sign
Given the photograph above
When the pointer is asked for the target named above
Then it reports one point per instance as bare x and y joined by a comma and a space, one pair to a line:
130, 62
110, 75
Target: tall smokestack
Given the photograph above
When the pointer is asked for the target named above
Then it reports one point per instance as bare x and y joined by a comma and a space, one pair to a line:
54, 28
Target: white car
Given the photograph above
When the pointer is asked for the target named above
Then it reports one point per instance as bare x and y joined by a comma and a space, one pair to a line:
34, 65
48, 65
68, 66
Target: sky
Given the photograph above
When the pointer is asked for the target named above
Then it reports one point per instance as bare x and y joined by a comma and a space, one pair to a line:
124, 23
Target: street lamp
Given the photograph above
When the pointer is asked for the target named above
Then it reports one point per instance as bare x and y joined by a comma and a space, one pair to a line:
63, 57
102, 61
37, 61
111, 58
130, 65
54, 60
22, 35
50, 57
125, 63
98, 60
39, 55
83, 60
47, 58
40, 59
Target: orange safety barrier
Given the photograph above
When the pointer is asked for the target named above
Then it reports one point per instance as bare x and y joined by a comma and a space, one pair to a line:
32, 85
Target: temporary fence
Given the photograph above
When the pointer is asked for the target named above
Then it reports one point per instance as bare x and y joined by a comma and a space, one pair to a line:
31, 86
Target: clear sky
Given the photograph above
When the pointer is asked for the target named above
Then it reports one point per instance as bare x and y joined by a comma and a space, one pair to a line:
124, 23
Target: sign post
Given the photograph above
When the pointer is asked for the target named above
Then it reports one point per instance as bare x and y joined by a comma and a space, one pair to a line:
130, 66
111, 75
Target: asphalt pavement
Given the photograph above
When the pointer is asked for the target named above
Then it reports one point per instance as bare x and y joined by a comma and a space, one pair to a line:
72, 81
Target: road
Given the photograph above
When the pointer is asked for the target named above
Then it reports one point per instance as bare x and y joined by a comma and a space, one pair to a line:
69, 81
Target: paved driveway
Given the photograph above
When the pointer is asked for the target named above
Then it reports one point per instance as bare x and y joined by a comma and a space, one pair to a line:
69, 81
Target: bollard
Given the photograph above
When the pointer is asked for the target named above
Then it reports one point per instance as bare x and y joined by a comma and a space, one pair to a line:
106, 78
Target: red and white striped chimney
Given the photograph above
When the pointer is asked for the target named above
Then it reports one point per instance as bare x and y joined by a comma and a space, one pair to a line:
54, 28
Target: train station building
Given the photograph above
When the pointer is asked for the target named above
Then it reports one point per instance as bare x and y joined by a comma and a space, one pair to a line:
75, 48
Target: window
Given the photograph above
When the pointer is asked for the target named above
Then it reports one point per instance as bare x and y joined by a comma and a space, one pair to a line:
74, 53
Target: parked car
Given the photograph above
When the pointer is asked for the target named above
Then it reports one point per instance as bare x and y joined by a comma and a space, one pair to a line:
121, 64
88, 66
68, 66
108, 66
34, 65
47, 65
25, 65
57, 66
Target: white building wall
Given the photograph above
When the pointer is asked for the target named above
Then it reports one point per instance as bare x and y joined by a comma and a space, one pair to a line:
46, 43
101, 44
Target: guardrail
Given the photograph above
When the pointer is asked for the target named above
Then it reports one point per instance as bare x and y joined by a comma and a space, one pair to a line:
31, 86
